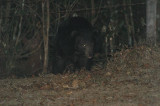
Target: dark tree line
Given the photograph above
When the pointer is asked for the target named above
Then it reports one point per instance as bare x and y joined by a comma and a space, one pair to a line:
27, 28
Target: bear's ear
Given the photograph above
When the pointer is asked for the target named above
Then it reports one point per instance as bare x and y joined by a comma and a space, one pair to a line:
74, 33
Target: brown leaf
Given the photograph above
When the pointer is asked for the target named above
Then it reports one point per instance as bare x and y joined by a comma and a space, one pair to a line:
146, 66
66, 86
75, 84
45, 87
108, 74
69, 93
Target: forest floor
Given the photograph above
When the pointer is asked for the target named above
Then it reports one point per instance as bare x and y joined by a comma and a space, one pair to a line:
130, 78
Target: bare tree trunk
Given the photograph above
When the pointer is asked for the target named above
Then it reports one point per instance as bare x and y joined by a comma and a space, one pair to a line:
151, 21
132, 24
158, 20
47, 36
92, 11
45, 32
20, 25
1, 12
7, 11
128, 26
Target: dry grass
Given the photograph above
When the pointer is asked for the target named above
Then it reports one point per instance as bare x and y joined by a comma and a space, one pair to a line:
131, 77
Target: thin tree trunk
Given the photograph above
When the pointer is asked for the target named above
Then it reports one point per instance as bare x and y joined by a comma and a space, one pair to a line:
43, 26
92, 11
151, 22
128, 26
45, 34
158, 20
1, 20
132, 24
20, 25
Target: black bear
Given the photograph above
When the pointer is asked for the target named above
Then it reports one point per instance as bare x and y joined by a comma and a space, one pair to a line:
75, 44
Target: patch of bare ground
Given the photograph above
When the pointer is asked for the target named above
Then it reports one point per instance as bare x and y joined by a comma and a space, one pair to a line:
130, 78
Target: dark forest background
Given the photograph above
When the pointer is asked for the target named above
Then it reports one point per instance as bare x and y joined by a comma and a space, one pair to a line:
28, 26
